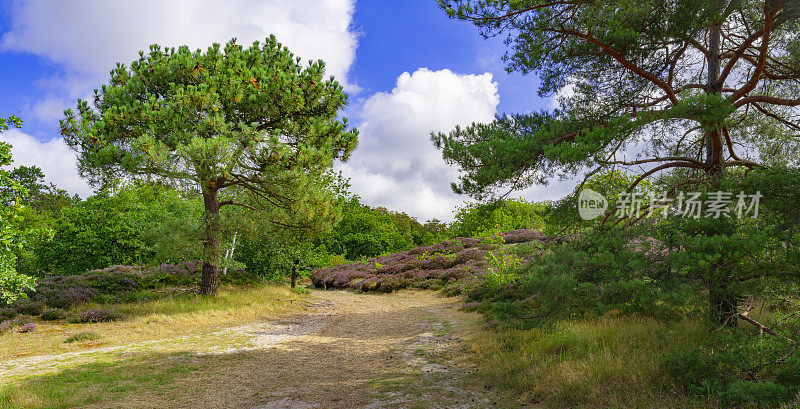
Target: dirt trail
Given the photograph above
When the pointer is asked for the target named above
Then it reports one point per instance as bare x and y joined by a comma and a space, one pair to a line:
347, 350
371, 351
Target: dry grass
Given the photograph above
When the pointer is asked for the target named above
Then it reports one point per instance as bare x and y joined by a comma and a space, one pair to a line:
164, 318
610, 362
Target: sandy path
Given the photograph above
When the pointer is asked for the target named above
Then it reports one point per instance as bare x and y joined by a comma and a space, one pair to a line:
346, 351
364, 341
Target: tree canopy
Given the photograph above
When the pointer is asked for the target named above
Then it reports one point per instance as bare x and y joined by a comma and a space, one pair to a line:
653, 85
12, 283
231, 122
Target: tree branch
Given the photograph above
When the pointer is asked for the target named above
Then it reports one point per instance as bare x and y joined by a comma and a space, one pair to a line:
232, 203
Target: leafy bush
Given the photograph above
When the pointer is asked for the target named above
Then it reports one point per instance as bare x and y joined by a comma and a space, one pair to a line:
593, 275
12, 282
481, 219
367, 232
29, 327
82, 336
95, 315
128, 226
53, 314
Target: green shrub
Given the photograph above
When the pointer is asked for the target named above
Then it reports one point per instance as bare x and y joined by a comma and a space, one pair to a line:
738, 369
136, 224
589, 276
483, 219
82, 336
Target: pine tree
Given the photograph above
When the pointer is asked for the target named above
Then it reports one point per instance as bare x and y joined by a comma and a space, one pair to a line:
229, 122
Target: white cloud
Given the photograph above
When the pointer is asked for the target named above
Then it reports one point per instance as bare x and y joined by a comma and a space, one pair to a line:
50, 108
87, 37
396, 165
54, 157
566, 92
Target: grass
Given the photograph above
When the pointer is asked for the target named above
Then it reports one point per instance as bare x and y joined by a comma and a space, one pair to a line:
82, 336
132, 375
96, 383
609, 362
163, 318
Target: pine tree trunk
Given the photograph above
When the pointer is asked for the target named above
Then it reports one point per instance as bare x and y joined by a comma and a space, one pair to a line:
713, 137
723, 305
210, 278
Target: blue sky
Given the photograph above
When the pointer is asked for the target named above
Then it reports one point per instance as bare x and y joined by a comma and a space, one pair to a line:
408, 68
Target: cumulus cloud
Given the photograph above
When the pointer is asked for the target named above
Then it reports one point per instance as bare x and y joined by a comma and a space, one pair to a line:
396, 165
54, 157
87, 37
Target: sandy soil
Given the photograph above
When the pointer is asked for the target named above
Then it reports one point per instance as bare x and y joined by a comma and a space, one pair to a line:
346, 350
370, 351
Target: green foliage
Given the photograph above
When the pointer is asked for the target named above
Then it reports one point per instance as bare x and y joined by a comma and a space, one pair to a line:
626, 74
257, 106
231, 122
53, 314
42, 197
41, 208
138, 224
365, 232
12, 282
486, 219
592, 276
82, 336
361, 232
738, 368
502, 271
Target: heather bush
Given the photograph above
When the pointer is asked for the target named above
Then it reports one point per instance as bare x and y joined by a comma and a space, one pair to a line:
436, 266
7, 313
6, 326
186, 273
95, 315
69, 296
29, 327
82, 336
28, 306
117, 283
22, 320
53, 314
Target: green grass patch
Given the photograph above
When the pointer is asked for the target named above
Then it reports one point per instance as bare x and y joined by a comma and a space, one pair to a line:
96, 383
82, 336
608, 362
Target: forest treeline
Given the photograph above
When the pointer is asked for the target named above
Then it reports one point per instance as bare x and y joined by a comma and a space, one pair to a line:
148, 224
